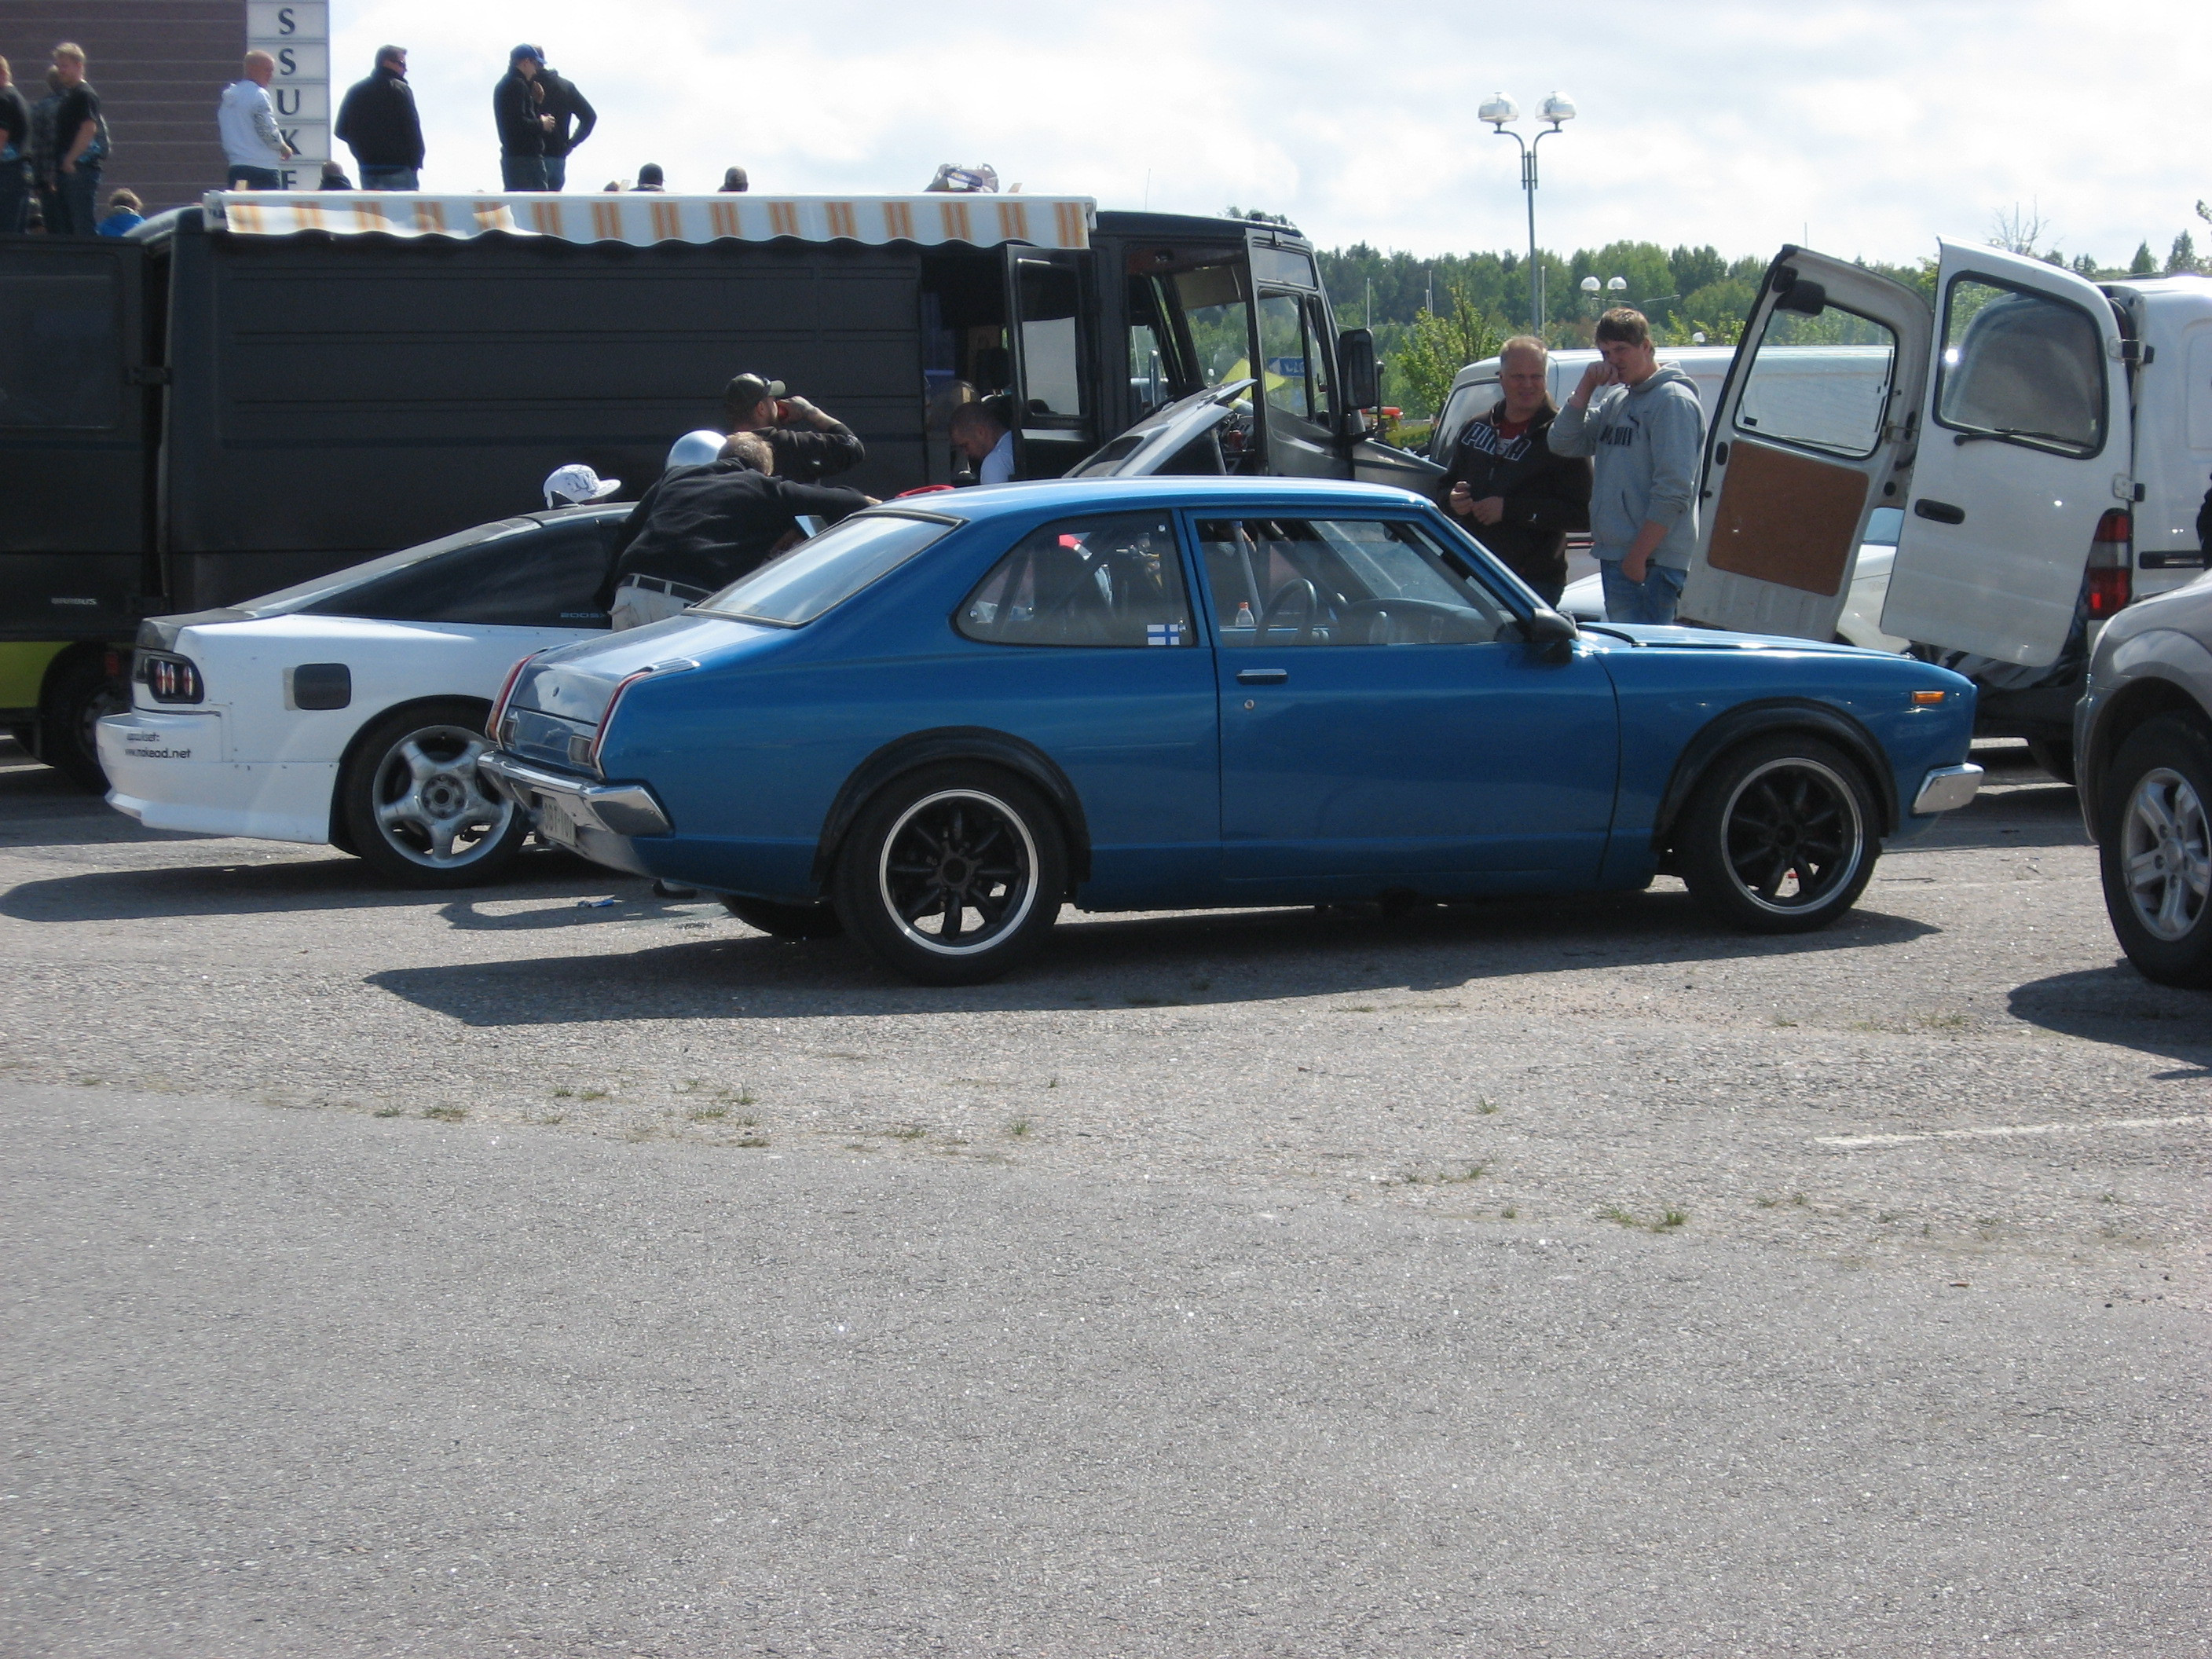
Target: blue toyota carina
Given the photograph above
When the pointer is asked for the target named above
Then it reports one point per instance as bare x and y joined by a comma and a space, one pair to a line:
937, 722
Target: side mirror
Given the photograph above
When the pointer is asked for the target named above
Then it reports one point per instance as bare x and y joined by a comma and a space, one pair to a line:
1545, 626
1356, 367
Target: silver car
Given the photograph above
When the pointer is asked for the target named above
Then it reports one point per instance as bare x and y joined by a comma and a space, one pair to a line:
2143, 734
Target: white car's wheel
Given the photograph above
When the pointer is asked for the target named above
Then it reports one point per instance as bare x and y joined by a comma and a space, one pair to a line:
415, 808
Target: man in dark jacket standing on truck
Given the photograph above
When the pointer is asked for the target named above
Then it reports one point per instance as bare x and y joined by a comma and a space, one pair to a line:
1508, 488
523, 124
379, 122
574, 118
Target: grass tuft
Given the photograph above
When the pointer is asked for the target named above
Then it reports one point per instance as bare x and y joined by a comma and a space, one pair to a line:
1020, 1126
391, 1111
446, 1113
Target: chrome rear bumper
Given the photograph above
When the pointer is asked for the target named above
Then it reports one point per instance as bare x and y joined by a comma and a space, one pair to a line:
613, 808
1947, 788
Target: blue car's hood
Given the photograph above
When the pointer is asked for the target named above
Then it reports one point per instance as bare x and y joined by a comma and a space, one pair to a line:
1628, 636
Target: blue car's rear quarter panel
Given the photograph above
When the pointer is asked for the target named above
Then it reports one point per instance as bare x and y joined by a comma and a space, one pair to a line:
1671, 693
748, 756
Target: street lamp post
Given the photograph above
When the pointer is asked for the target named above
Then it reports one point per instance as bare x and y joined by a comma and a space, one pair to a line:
1557, 109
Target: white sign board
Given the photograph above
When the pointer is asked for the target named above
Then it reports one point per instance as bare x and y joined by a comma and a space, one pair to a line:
297, 34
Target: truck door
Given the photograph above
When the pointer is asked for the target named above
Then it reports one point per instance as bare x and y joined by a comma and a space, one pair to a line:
2025, 445
1297, 386
1054, 426
1812, 433
73, 463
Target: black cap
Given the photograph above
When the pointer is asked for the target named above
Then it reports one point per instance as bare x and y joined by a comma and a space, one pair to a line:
745, 390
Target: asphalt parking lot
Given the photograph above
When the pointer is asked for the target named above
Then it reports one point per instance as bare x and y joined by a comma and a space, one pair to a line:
519, 1271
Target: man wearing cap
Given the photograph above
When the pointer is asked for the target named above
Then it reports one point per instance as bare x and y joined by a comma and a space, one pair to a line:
575, 485
700, 528
522, 124
808, 445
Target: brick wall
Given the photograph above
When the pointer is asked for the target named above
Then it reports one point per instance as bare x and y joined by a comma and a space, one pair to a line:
159, 67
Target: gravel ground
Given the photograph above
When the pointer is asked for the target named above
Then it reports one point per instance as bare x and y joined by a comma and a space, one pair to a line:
1961, 1091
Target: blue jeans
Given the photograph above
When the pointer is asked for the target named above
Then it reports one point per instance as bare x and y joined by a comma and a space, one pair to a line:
74, 194
1652, 600
241, 176
521, 172
556, 172
15, 196
390, 178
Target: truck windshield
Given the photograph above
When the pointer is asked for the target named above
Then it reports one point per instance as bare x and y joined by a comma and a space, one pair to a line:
791, 590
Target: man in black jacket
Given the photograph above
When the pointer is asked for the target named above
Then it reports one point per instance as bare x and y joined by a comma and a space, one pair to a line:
523, 125
700, 528
14, 155
378, 121
809, 445
1506, 487
574, 118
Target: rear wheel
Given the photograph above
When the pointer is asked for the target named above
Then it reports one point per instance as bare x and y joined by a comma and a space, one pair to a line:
2156, 851
1780, 836
785, 920
78, 693
952, 874
414, 808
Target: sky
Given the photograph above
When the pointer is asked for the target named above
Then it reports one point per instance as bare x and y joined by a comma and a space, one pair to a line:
1860, 129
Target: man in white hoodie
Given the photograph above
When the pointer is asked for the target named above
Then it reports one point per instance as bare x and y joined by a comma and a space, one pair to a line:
1644, 427
253, 148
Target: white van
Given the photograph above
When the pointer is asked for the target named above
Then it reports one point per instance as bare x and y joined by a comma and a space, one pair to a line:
2048, 438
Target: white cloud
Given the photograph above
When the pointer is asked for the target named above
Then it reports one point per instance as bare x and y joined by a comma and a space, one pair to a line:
1870, 127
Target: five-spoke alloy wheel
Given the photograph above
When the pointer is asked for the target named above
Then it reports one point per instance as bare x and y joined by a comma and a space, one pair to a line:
415, 806
952, 873
2156, 851
1781, 836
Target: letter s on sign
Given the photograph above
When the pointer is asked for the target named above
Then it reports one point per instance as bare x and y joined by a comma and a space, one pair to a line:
288, 61
286, 23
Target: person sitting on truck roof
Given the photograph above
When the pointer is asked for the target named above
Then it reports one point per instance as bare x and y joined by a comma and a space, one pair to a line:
380, 123
522, 126
123, 215
981, 432
734, 180
700, 528
1511, 493
809, 445
650, 177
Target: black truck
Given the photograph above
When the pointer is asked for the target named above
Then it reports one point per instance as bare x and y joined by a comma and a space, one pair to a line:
246, 393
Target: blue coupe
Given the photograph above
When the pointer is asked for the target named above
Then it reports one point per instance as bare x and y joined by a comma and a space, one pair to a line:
938, 721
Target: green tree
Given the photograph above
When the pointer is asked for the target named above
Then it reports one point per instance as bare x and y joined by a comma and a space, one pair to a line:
1437, 347
2145, 263
2182, 259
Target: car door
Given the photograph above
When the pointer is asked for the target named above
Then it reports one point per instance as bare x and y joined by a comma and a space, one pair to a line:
1813, 435
2025, 446
1384, 722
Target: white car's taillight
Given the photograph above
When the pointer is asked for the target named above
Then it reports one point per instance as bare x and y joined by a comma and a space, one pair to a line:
169, 678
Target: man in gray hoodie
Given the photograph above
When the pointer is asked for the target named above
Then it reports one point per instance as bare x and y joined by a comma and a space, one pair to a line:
1644, 427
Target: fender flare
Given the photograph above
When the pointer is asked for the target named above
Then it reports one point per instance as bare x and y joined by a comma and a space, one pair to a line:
1755, 719
950, 743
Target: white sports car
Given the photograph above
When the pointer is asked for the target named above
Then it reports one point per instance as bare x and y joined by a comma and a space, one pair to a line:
350, 709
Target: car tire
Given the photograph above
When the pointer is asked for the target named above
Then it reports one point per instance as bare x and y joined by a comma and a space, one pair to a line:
940, 846
79, 693
2054, 755
1781, 835
414, 807
786, 921
2152, 853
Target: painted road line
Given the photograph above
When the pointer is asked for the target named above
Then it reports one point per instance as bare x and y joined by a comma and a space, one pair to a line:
2005, 1131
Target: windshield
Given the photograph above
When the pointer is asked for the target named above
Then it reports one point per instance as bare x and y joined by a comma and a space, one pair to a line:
791, 590
303, 595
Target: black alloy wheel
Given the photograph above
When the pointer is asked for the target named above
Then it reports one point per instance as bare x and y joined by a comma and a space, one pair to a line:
2155, 851
952, 874
414, 808
1780, 838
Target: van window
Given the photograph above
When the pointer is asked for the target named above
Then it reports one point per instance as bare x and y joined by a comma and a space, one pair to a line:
59, 363
1821, 382
1466, 403
1052, 383
1215, 301
2200, 389
2021, 367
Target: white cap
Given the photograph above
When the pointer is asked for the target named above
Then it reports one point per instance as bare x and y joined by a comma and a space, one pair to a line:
696, 448
575, 483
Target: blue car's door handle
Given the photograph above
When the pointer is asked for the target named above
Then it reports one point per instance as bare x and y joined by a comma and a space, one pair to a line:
1262, 675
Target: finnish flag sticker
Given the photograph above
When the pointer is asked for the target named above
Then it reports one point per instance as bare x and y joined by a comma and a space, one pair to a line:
1163, 633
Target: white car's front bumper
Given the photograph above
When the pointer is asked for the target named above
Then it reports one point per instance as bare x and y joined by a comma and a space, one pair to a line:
168, 771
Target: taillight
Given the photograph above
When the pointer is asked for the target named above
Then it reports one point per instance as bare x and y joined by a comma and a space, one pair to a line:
498, 703
170, 679
607, 715
2112, 575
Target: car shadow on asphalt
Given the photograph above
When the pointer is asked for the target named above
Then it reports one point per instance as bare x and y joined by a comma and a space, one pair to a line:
2117, 1005
1118, 962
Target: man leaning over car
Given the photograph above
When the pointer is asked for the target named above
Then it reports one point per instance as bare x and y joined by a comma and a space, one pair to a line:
700, 528
1515, 496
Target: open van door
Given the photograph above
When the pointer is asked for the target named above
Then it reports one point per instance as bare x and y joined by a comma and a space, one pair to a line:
2026, 445
1814, 432
1053, 426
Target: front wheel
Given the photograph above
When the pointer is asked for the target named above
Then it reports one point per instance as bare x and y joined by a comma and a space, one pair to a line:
1780, 836
952, 874
2156, 852
414, 807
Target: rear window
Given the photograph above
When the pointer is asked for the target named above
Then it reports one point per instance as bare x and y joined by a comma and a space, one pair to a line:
791, 590
311, 594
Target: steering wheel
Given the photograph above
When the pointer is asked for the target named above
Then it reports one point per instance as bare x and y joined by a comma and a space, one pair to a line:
1295, 597
1417, 622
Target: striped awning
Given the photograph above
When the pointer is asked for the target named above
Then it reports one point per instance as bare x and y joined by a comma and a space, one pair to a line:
1056, 221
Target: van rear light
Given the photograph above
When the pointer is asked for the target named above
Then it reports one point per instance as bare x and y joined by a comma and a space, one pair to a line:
169, 678
2111, 576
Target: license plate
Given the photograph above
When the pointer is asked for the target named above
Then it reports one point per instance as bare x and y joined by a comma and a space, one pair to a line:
554, 822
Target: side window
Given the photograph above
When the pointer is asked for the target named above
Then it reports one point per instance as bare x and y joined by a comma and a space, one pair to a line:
1283, 360
1114, 579
1317, 353
550, 579
1279, 582
59, 360
1052, 381
1821, 382
2021, 367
